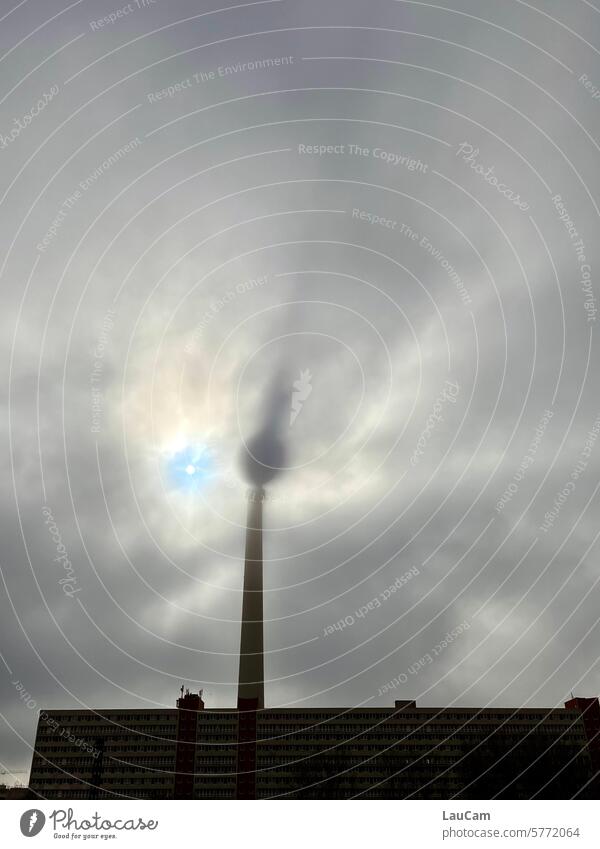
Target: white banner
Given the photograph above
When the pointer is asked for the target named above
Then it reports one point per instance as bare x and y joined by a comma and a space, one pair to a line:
290, 824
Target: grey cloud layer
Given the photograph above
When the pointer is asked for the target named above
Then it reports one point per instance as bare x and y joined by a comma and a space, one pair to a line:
230, 256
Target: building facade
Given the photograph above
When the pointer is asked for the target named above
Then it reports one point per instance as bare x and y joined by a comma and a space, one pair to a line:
402, 752
87, 754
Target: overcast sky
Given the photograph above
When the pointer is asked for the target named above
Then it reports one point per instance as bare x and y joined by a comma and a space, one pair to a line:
368, 226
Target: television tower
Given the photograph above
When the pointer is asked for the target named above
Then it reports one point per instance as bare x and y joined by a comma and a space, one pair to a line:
251, 686
251, 682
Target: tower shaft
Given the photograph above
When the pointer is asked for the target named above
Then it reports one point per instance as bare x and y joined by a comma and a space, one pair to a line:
251, 687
